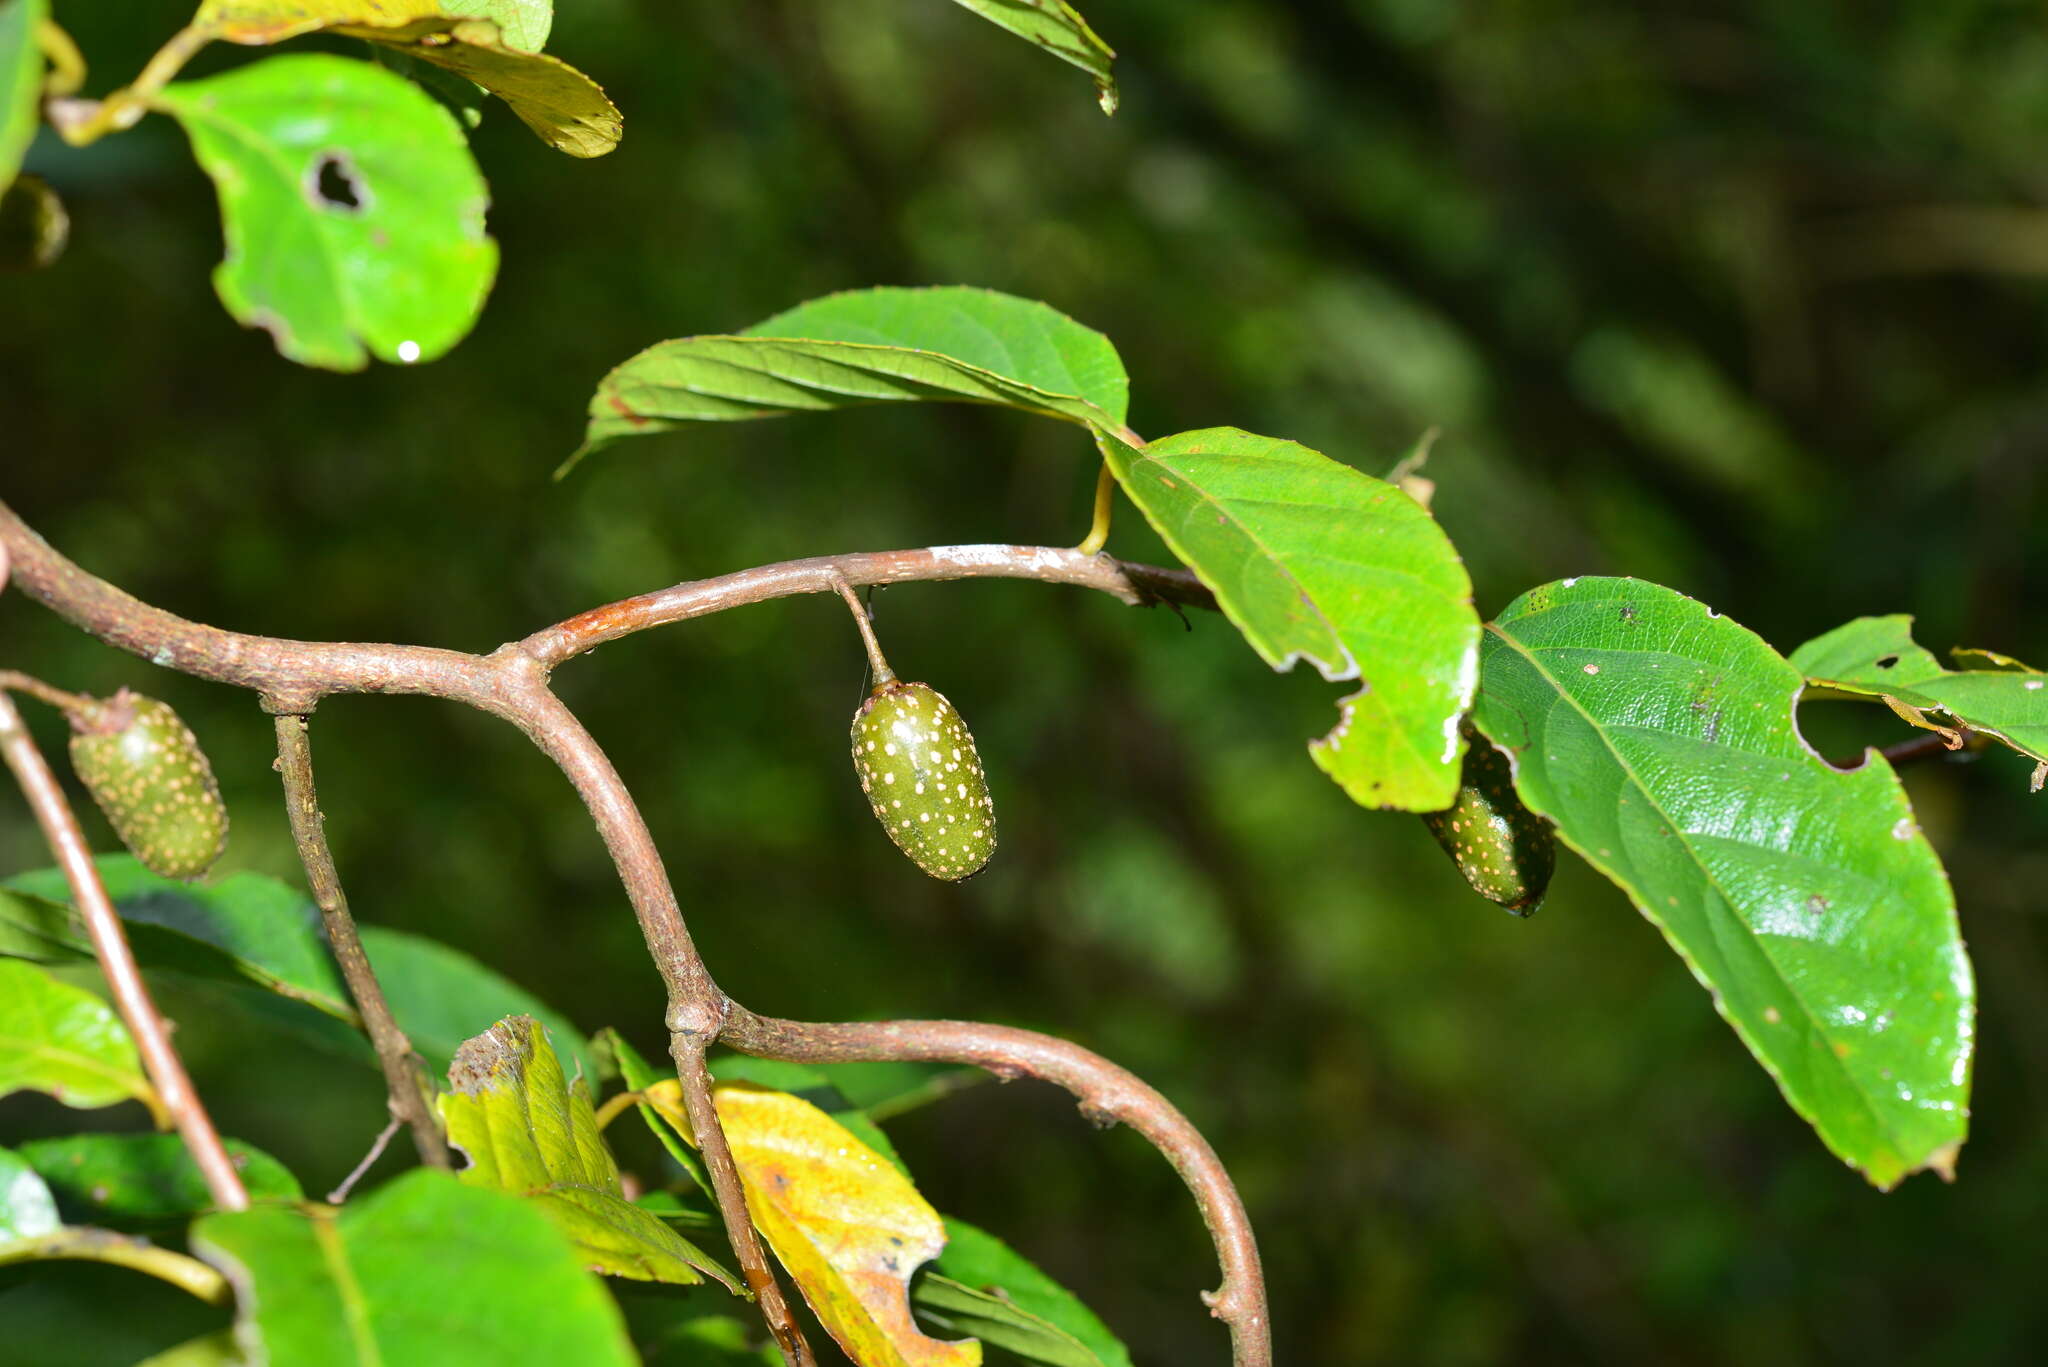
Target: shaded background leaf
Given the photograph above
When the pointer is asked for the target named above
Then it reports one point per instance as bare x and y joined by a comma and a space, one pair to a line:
123, 1181
980, 1260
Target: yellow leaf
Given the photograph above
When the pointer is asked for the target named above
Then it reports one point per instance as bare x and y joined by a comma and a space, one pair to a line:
849, 1227
561, 104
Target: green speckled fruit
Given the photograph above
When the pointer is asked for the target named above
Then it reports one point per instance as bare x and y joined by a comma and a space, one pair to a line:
1505, 851
918, 767
146, 770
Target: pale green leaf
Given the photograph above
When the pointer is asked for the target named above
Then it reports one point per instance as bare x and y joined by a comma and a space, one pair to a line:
1313, 560
64, 1041
1877, 657
21, 80
525, 24
27, 1209
424, 1270
1059, 29
1660, 739
353, 211
529, 1131
866, 347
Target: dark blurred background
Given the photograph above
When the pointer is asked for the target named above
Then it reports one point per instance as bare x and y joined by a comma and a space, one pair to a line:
1745, 299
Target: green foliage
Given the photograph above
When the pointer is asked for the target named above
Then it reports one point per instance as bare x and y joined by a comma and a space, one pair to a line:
1315, 561
1044, 1319
1660, 739
62, 1040
21, 79
529, 1131
1015, 353
123, 1181
425, 1269
27, 1207
353, 211
1058, 28
1876, 657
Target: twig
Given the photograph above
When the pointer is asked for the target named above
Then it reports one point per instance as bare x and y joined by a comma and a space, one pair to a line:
81, 1243
16, 681
377, 1146
1107, 1095
878, 663
732, 1200
152, 1033
403, 1071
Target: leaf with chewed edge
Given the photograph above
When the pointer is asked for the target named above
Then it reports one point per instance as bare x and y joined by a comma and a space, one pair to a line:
1660, 738
1313, 560
529, 1131
850, 1228
1877, 657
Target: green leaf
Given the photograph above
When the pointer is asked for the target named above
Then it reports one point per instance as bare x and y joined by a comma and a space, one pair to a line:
423, 1270
27, 1209
62, 1040
638, 1076
354, 213
21, 81
121, 1180
1055, 26
525, 24
442, 997
529, 1131
1877, 657
1659, 737
985, 1263
863, 347
245, 928
962, 1311
1314, 560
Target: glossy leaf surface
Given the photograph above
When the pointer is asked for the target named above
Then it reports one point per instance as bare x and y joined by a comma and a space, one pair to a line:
244, 928
986, 1264
1659, 738
423, 1270
1313, 560
21, 81
1877, 657
530, 1131
1056, 27
64, 1041
353, 211
864, 347
850, 1228
443, 997
120, 1180
27, 1208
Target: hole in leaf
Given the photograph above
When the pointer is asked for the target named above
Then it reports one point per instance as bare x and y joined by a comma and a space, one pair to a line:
334, 184
1887, 662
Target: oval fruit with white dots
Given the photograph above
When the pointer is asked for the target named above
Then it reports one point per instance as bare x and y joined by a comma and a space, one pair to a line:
1506, 852
144, 767
920, 772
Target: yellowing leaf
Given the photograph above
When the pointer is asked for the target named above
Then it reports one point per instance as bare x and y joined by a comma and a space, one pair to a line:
528, 1131
565, 107
849, 1227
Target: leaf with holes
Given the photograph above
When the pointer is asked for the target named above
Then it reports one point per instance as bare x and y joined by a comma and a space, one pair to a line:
422, 1270
21, 80
1660, 739
563, 106
866, 347
1313, 560
354, 213
1056, 27
1877, 657
126, 1180
64, 1041
989, 1267
850, 1228
529, 1131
